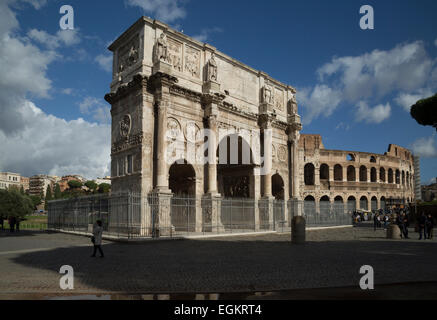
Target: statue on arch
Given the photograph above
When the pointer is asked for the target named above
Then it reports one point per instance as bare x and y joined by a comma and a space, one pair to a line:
212, 69
161, 49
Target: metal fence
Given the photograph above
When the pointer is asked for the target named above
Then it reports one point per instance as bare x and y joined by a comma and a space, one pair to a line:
130, 215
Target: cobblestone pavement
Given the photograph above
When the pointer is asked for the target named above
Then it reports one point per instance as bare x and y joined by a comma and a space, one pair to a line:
30, 263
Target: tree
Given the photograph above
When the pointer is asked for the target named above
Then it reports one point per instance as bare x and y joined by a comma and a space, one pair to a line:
91, 185
36, 201
104, 188
22, 190
48, 197
425, 111
74, 184
13, 203
58, 193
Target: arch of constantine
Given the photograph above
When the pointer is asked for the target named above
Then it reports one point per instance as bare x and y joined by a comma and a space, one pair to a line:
204, 143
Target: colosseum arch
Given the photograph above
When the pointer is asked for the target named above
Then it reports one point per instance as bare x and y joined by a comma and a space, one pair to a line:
309, 205
373, 174
309, 174
363, 174
382, 203
390, 175
325, 205
338, 204
382, 174
351, 175
350, 157
403, 177
364, 204
398, 176
408, 180
373, 159
324, 172
351, 204
374, 204
338, 173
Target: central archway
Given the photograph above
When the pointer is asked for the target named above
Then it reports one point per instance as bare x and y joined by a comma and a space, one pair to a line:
236, 183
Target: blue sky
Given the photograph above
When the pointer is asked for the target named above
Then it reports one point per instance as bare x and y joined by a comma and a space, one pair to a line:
354, 86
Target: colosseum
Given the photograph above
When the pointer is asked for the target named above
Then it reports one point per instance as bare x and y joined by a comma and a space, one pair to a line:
352, 180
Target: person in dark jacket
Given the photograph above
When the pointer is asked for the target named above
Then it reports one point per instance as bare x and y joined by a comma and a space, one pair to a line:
429, 226
422, 226
2, 222
405, 225
12, 221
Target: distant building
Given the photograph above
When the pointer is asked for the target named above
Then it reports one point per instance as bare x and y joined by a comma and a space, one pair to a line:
38, 184
8, 179
429, 192
63, 182
25, 183
106, 179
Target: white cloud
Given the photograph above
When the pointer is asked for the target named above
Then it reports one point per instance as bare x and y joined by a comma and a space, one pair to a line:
406, 100
32, 141
62, 37
105, 62
404, 70
67, 91
435, 42
37, 4
376, 114
165, 10
322, 100
425, 147
205, 34
406, 67
47, 144
97, 107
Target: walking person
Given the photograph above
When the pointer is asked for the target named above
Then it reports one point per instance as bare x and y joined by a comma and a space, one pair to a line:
422, 226
405, 225
97, 238
375, 222
12, 223
429, 226
2, 221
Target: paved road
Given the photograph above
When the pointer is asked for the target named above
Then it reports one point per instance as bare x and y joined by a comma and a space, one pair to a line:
30, 263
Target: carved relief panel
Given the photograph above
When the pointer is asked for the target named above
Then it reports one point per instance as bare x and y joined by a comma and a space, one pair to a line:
192, 61
279, 99
129, 54
175, 54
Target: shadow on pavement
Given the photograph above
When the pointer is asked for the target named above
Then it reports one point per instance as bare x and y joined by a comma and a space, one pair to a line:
230, 265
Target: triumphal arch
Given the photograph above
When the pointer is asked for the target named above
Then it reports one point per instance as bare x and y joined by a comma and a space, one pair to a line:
190, 121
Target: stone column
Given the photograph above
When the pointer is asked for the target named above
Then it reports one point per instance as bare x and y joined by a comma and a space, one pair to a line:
212, 199
161, 197
266, 203
161, 147
344, 169
212, 149
331, 173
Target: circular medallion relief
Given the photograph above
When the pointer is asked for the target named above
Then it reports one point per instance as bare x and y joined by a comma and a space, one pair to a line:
173, 128
192, 132
125, 125
282, 153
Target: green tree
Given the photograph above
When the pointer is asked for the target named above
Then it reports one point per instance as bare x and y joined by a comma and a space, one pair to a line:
13, 203
22, 190
58, 193
48, 197
91, 185
36, 201
104, 188
74, 184
424, 111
